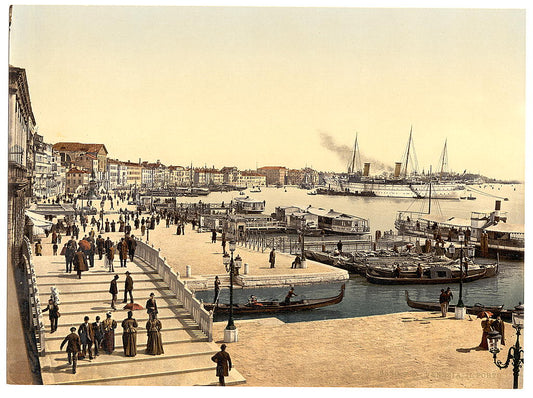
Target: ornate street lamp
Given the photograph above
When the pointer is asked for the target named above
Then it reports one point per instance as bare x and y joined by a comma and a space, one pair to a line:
516, 353
230, 333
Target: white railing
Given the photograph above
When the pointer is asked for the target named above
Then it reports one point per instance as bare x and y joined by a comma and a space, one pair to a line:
34, 304
152, 256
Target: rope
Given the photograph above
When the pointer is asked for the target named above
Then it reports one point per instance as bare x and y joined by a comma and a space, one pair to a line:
484, 193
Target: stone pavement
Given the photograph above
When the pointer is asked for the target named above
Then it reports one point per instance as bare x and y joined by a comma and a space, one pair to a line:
187, 357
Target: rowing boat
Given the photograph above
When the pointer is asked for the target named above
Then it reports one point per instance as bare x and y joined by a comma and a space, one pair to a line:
276, 306
424, 280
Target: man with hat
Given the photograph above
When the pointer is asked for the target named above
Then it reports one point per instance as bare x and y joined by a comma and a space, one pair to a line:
223, 361
151, 305
98, 329
73, 347
113, 289
86, 333
128, 288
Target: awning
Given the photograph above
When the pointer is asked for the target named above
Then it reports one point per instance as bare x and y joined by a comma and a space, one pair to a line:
504, 227
38, 220
458, 222
434, 218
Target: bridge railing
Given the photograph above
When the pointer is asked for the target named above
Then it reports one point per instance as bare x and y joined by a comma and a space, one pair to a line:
152, 256
34, 303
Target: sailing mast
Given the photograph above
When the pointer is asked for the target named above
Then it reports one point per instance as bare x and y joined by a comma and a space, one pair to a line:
355, 163
443, 161
408, 148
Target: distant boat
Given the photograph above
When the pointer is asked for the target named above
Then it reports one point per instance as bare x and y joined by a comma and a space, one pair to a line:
255, 189
313, 192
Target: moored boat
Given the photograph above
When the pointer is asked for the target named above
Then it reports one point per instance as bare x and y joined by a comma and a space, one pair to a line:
276, 306
442, 276
472, 310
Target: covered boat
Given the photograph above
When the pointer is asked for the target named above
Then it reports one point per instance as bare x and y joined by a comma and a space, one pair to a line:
437, 275
276, 306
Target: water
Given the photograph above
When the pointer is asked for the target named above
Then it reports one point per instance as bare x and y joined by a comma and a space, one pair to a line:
363, 298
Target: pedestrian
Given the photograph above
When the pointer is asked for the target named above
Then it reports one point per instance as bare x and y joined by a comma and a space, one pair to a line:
91, 252
339, 246
289, 295
54, 249
38, 248
53, 314
100, 246
486, 326
54, 237
129, 335
178, 230
217, 289
223, 361
499, 326
151, 305
272, 258
143, 228
113, 289
98, 329
132, 246
449, 296
443, 301
154, 344
128, 288
73, 347
86, 333
80, 262
108, 342
110, 257
213, 236
297, 263
122, 248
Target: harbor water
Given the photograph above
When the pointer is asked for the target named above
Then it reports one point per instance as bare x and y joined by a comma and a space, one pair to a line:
363, 298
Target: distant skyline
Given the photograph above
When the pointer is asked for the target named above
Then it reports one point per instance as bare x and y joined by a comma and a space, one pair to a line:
241, 86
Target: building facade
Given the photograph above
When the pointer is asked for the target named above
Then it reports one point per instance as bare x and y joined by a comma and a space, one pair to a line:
275, 175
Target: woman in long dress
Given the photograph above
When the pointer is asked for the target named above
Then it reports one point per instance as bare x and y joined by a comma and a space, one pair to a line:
129, 335
108, 342
154, 345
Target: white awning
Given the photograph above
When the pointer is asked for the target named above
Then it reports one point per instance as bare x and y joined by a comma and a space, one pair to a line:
458, 222
506, 228
38, 220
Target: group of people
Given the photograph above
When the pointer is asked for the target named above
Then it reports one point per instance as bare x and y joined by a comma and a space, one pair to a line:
444, 300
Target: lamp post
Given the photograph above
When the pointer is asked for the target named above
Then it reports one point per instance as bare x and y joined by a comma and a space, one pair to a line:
516, 353
230, 333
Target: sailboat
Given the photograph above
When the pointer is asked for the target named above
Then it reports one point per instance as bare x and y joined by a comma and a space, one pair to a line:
402, 184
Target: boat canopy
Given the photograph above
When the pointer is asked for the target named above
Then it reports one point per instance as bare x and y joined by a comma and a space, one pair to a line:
504, 227
458, 222
332, 214
434, 218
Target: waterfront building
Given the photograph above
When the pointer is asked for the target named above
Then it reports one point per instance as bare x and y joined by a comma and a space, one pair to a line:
231, 175
59, 174
117, 174
77, 180
42, 179
295, 176
275, 175
207, 176
133, 174
153, 174
21, 158
251, 179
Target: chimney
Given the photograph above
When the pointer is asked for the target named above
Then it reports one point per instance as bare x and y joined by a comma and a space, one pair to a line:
397, 169
366, 170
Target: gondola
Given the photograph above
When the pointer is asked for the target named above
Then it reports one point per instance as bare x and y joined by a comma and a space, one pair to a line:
382, 280
473, 310
276, 306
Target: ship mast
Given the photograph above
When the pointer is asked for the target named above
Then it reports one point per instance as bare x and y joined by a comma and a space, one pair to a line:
355, 163
408, 148
443, 161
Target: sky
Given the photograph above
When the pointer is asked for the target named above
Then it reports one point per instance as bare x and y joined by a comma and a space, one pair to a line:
258, 86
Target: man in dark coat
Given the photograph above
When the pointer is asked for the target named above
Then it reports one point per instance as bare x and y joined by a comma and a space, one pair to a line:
122, 249
70, 251
86, 333
73, 347
272, 258
80, 262
113, 289
53, 314
151, 305
100, 246
98, 329
128, 288
223, 361
217, 289
132, 245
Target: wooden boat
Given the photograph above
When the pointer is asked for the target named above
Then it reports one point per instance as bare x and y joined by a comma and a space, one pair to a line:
472, 310
276, 306
424, 280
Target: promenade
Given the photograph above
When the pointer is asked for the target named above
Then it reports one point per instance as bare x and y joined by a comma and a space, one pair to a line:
403, 350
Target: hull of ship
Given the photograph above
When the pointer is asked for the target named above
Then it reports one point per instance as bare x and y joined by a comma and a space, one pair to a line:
438, 191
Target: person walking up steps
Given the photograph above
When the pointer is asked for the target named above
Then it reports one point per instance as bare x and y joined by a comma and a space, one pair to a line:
73, 347
128, 288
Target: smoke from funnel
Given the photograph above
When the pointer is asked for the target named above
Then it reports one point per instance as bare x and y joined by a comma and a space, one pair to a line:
344, 152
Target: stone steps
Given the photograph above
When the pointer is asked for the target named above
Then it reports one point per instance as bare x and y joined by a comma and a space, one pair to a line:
187, 357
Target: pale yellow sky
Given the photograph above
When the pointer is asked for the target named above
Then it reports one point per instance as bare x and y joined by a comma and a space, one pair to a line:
246, 86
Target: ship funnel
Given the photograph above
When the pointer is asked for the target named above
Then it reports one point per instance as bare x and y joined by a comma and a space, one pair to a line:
397, 169
498, 205
366, 170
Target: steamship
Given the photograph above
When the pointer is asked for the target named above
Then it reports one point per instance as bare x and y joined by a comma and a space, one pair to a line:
359, 183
